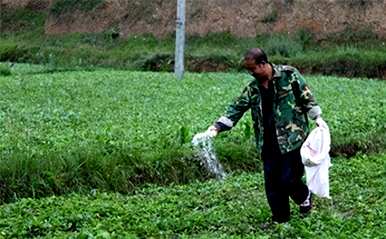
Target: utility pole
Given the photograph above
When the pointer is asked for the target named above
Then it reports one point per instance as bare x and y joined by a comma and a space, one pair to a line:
1, 16
180, 40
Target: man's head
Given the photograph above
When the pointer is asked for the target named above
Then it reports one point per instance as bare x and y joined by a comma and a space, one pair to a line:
256, 62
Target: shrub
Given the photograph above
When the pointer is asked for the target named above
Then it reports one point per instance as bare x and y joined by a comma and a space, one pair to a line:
12, 52
282, 45
349, 62
21, 19
305, 37
214, 39
4, 70
352, 35
155, 62
272, 17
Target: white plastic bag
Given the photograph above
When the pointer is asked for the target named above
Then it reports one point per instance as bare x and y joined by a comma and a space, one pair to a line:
316, 147
316, 159
317, 178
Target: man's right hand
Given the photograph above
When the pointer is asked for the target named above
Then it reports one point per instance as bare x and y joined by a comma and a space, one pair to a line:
212, 131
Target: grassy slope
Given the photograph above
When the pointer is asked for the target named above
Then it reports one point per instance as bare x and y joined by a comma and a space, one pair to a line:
149, 53
232, 209
114, 130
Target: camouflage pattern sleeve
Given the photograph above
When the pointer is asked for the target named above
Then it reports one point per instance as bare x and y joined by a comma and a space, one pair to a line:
307, 100
234, 111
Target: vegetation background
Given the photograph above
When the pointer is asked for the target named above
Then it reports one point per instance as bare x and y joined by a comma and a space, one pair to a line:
95, 131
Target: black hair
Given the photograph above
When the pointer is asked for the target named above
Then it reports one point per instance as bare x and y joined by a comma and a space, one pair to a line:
256, 54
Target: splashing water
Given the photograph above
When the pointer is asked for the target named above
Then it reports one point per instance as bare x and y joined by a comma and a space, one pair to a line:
207, 155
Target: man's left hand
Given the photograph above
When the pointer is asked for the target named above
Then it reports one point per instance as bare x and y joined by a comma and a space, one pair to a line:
321, 123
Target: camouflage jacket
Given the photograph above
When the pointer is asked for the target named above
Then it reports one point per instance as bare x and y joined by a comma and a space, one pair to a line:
293, 102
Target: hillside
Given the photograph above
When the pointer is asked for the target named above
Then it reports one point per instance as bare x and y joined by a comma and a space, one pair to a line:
138, 35
239, 17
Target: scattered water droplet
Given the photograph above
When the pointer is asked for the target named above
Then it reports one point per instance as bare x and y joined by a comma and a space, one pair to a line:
207, 156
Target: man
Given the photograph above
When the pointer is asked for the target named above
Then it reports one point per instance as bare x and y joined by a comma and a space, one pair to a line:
281, 104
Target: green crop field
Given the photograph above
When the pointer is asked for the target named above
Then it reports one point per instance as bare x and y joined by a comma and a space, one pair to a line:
70, 131
83, 133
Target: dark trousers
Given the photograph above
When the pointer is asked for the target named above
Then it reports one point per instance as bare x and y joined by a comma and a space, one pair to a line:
282, 175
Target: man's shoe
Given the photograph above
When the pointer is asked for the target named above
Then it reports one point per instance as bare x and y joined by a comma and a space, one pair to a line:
271, 224
306, 206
